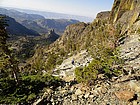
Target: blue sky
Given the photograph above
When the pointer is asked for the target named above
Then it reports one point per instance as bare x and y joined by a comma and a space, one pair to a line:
76, 7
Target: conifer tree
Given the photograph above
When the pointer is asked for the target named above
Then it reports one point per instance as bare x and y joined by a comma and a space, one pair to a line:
8, 66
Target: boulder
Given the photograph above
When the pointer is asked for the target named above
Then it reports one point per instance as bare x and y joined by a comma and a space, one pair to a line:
74, 97
78, 92
124, 95
87, 95
134, 86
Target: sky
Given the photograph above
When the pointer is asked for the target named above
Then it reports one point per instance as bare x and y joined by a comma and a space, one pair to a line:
87, 8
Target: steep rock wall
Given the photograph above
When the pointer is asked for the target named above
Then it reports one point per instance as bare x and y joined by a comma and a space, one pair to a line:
121, 6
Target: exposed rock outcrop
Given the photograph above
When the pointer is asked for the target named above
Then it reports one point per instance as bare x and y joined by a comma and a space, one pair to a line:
130, 52
52, 36
122, 6
125, 13
103, 15
72, 35
66, 69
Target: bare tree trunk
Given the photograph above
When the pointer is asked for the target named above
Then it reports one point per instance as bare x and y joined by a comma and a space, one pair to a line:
15, 76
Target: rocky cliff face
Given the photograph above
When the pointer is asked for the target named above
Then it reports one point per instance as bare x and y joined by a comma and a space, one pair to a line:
126, 14
122, 6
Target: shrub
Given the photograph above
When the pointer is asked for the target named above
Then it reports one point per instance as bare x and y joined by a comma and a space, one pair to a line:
86, 74
27, 91
103, 65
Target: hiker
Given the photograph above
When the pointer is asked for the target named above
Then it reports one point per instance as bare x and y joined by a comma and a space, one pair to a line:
72, 62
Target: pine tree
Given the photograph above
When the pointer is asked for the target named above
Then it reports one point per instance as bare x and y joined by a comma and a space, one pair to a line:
8, 66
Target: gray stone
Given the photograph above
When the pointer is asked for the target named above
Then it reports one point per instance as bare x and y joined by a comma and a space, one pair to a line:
74, 97
78, 92
134, 86
87, 95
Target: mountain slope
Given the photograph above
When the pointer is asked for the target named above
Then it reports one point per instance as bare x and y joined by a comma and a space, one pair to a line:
93, 37
98, 63
99, 37
16, 28
123, 32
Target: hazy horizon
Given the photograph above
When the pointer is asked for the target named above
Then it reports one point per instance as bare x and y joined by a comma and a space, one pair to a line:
24, 9
87, 8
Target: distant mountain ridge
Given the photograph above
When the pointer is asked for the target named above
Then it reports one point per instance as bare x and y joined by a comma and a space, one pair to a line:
54, 15
20, 16
38, 23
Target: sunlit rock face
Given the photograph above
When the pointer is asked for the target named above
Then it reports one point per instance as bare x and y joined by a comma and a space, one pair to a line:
122, 6
126, 13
